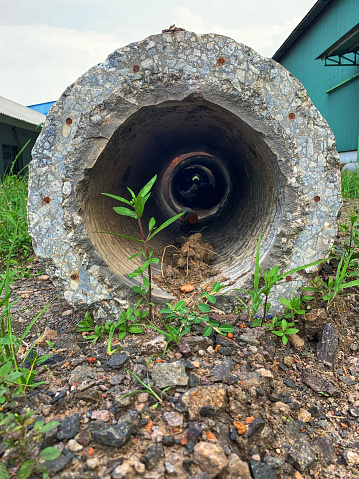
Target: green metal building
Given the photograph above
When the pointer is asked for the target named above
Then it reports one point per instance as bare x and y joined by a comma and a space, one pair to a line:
323, 53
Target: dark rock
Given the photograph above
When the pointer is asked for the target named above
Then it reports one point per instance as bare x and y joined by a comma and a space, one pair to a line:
69, 427
255, 427
221, 370
194, 431
130, 417
301, 455
325, 449
319, 384
230, 379
115, 436
59, 396
274, 397
222, 341
207, 411
152, 456
90, 395
168, 441
261, 470
117, 379
192, 381
190, 446
348, 381
117, 360
188, 365
290, 383
81, 373
184, 348
59, 463
314, 411
225, 351
327, 348
53, 359
50, 437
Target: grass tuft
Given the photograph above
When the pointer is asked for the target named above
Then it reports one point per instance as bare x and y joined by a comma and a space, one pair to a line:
350, 184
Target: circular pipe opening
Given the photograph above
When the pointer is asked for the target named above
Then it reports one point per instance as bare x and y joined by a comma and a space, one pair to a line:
209, 163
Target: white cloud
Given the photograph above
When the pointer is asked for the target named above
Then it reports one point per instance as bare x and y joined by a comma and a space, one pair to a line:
42, 61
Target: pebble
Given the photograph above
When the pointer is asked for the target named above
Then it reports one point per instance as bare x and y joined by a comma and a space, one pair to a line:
169, 374
151, 457
143, 397
169, 468
173, 419
210, 458
69, 427
304, 415
351, 458
74, 446
196, 398
102, 415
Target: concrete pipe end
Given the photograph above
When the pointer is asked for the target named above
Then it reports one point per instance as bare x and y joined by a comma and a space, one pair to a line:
235, 142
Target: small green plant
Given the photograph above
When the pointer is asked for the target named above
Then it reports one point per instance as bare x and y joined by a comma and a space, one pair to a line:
259, 295
147, 385
135, 210
350, 184
293, 306
336, 284
187, 317
21, 435
127, 323
281, 328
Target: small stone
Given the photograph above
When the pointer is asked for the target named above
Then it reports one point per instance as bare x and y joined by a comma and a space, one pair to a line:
319, 384
348, 381
117, 360
351, 458
207, 411
117, 379
273, 462
168, 441
288, 361
221, 370
304, 415
248, 338
194, 431
59, 463
173, 419
92, 463
74, 446
325, 448
256, 457
45, 410
353, 411
249, 380
68, 312
201, 352
184, 348
143, 397
43, 277
190, 446
152, 456
115, 436
210, 350
260, 470
192, 380
327, 348
290, 383
265, 373
69, 427
169, 374
102, 415
169, 468
225, 351
210, 458
123, 471
80, 374
196, 398
84, 438
237, 469
301, 454
255, 427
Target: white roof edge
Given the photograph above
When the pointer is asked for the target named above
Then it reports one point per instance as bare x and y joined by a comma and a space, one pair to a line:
20, 112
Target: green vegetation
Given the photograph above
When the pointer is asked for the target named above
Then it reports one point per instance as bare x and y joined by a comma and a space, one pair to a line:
350, 184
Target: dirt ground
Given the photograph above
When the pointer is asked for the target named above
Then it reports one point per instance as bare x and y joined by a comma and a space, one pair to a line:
267, 410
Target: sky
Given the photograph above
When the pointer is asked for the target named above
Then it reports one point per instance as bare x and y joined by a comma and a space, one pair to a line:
45, 45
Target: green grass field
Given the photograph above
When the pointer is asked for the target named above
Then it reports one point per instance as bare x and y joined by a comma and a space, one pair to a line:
350, 185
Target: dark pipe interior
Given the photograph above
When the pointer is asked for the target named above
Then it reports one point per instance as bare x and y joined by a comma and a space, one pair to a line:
234, 184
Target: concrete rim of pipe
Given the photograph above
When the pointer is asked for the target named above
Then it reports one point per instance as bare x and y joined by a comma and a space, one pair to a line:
233, 138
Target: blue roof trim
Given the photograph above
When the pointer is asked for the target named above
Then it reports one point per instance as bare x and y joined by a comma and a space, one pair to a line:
42, 107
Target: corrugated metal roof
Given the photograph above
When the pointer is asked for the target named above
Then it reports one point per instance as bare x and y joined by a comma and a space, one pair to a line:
20, 112
348, 43
303, 25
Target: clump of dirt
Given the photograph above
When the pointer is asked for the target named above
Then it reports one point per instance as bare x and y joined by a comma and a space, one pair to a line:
186, 263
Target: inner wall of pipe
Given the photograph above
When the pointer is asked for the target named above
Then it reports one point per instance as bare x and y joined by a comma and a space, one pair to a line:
145, 145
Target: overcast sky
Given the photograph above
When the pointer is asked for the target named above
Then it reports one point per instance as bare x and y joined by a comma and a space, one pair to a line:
45, 45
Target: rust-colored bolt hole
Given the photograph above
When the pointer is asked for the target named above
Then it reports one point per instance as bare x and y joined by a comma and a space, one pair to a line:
75, 276
221, 61
317, 199
45, 200
291, 116
68, 121
288, 279
136, 68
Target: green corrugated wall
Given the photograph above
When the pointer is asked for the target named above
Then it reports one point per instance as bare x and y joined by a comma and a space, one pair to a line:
340, 107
